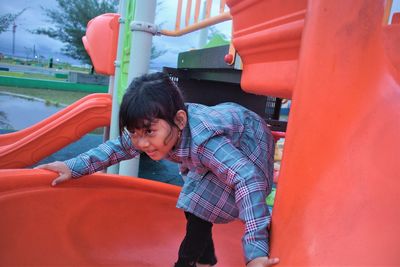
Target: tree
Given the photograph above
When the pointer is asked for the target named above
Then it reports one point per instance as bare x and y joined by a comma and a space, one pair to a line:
69, 22
7, 19
216, 38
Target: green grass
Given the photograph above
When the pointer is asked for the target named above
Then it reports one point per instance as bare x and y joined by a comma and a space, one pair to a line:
30, 75
51, 96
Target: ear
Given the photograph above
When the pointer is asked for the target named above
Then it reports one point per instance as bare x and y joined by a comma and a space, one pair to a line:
180, 119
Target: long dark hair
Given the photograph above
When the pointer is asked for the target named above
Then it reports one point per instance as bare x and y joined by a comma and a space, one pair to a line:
148, 97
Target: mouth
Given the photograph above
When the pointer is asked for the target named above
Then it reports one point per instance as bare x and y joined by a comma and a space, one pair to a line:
151, 153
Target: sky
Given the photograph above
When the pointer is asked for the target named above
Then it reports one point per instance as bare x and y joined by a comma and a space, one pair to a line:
34, 17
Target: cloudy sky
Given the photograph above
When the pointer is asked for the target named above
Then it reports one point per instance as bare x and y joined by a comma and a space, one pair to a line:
34, 18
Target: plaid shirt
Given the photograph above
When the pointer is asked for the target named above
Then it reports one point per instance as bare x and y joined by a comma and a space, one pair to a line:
226, 157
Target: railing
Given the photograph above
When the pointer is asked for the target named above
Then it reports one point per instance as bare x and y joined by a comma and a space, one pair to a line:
197, 22
388, 8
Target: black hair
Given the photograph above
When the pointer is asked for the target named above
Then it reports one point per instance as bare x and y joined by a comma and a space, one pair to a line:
148, 97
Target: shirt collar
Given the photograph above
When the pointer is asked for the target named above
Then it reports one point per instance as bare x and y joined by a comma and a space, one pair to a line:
181, 149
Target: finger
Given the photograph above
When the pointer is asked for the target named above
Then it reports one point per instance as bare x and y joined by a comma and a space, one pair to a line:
42, 166
47, 167
59, 179
272, 261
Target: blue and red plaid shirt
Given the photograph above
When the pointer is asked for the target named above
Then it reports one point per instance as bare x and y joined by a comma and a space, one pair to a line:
226, 157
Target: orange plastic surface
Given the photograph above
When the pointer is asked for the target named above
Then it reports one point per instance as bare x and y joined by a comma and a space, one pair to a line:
396, 18
101, 42
338, 197
101, 219
267, 36
26, 147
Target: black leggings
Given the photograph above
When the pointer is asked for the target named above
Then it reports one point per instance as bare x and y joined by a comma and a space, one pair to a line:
197, 246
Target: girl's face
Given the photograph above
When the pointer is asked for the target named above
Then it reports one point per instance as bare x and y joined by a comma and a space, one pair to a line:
156, 139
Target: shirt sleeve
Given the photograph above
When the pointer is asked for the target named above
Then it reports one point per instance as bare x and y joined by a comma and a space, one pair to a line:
251, 187
103, 156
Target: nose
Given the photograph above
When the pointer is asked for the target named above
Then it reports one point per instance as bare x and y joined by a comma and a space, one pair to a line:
142, 142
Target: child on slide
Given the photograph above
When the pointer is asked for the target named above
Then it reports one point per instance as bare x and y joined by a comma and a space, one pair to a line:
225, 153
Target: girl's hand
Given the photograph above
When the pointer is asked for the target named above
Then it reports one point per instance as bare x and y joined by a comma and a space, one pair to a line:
60, 167
262, 262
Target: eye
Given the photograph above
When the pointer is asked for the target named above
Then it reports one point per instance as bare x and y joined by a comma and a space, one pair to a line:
150, 132
133, 134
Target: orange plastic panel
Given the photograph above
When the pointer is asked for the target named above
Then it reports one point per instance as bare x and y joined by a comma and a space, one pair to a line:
338, 201
101, 42
391, 42
267, 36
396, 18
101, 219
28, 146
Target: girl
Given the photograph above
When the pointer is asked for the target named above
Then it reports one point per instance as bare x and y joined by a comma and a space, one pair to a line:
225, 154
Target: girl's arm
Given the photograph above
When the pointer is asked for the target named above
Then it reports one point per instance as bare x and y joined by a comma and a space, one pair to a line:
251, 187
103, 156
96, 159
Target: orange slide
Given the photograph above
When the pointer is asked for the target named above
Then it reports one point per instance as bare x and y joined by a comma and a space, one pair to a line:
100, 219
337, 200
28, 146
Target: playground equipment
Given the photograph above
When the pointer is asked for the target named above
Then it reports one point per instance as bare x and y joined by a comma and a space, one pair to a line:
337, 200
104, 55
99, 220
26, 147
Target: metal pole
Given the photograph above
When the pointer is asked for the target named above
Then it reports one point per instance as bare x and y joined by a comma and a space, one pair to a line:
203, 32
114, 125
14, 28
142, 35
106, 134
